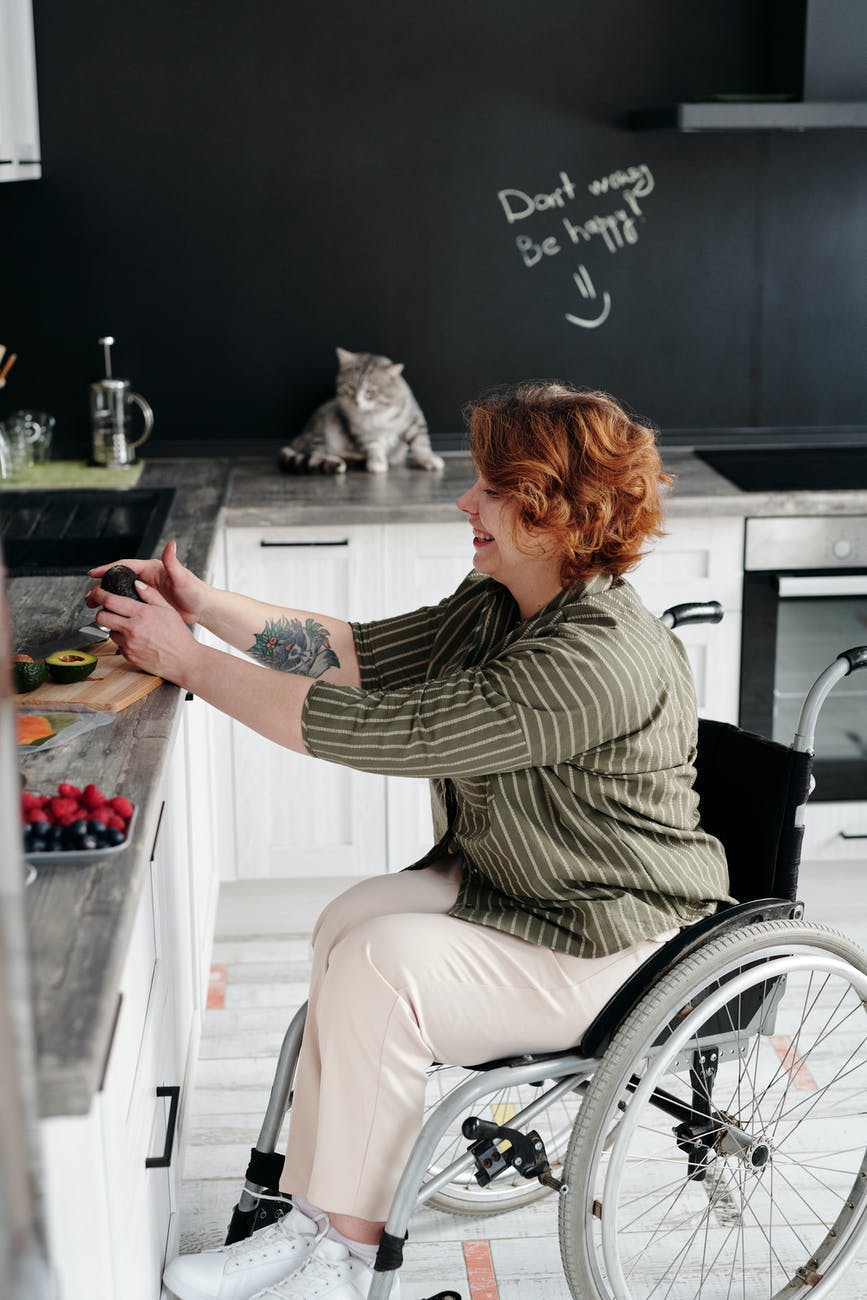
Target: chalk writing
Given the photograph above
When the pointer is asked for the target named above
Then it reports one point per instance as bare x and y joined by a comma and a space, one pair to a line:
615, 230
638, 179
585, 288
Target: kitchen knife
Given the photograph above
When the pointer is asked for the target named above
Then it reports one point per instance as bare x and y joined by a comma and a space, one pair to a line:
82, 639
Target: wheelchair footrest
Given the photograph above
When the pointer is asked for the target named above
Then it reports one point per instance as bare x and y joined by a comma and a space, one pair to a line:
525, 1152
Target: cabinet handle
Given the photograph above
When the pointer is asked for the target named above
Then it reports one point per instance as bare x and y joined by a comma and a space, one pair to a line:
157, 831
343, 542
163, 1161
844, 835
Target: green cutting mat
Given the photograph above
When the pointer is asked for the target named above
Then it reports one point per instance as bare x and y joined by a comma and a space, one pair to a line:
74, 474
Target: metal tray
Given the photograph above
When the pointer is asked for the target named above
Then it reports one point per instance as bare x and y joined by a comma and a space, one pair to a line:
81, 857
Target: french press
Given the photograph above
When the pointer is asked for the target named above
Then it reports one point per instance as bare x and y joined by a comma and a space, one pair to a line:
110, 402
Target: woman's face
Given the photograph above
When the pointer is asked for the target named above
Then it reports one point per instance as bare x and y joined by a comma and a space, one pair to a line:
503, 547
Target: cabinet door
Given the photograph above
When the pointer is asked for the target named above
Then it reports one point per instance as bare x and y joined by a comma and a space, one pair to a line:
702, 559
19, 123
295, 816
421, 565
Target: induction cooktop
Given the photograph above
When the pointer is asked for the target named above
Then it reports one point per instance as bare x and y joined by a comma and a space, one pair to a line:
790, 469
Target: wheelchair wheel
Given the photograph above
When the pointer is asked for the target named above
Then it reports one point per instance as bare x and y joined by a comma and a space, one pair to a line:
509, 1191
738, 1167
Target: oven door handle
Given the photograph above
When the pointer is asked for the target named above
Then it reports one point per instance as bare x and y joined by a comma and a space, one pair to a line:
837, 584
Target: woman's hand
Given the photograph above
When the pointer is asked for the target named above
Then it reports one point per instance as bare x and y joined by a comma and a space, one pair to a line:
149, 632
178, 585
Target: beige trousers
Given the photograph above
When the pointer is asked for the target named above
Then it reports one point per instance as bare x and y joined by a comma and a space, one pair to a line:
397, 984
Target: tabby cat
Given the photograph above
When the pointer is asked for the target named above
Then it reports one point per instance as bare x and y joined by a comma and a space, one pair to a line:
373, 419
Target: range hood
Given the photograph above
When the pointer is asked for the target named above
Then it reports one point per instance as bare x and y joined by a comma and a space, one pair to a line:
817, 77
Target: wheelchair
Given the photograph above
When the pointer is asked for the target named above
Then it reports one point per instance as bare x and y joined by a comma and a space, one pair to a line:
708, 1138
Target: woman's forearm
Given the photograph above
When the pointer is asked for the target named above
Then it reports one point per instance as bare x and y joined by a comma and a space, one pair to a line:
269, 703
292, 641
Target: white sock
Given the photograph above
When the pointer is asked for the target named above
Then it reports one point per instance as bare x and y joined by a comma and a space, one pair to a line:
312, 1211
366, 1253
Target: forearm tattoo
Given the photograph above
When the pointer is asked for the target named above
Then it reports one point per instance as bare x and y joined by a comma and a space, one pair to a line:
292, 647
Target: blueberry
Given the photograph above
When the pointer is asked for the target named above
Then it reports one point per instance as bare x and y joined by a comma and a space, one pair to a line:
37, 846
88, 842
79, 827
114, 836
95, 827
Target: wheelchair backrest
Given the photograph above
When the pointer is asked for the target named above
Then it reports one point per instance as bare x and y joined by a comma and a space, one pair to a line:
749, 789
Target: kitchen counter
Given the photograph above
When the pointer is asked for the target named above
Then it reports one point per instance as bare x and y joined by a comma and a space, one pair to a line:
261, 496
81, 917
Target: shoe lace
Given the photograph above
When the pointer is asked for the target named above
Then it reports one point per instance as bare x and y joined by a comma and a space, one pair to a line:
315, 1268
273, 1232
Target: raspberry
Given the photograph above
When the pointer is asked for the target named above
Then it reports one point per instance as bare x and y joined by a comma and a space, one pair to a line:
30, 800
116, 823
101, 813
36, 815
61, 807
122, 807
69, 791
92, 797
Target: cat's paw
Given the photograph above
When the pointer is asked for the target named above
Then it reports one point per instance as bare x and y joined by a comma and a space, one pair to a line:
326, 463
376, 465
291, 461
430, 462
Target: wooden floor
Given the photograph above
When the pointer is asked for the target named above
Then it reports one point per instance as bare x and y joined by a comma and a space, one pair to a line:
259, 977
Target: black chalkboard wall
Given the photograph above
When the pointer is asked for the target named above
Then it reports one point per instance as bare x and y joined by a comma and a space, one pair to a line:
234, 189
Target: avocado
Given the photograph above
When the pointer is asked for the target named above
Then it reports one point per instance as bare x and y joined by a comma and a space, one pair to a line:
27, 674
68, 666
120, 580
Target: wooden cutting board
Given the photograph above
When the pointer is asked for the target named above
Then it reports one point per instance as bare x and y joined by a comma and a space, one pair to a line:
113, 685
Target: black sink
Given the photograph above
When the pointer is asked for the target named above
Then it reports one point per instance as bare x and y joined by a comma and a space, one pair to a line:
790, 469
71, 530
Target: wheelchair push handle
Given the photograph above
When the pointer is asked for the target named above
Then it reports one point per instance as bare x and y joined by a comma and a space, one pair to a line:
848, 661
692, 611
856, 657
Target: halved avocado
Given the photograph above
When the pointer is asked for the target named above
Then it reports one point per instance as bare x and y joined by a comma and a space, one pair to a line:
68, 666
27, 674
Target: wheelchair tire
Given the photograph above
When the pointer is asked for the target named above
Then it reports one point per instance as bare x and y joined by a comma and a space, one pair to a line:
464, 1196
776, 1203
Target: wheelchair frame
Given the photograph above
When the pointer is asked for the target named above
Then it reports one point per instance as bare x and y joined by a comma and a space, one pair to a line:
701, 1129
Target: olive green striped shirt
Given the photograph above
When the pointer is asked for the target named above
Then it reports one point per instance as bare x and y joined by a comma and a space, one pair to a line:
559, 751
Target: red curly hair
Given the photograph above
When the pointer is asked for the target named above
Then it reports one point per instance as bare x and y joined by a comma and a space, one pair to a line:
577, 467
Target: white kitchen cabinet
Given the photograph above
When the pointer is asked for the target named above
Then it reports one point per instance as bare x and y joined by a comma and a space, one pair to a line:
298, 818
114, 1171
294, 817
702, 559
19, 117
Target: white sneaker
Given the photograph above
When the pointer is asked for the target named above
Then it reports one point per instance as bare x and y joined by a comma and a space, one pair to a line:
238, 1271
329, 1271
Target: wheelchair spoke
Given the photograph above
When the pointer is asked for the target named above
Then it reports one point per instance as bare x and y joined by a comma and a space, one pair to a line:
774, 1202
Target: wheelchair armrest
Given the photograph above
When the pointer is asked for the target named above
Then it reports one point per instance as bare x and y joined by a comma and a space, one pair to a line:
600, 1032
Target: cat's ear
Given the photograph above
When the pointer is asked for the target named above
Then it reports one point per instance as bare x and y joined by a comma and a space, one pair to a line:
345, 357
396, 369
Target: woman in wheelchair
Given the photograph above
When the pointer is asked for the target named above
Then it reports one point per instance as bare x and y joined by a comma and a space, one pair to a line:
555, 719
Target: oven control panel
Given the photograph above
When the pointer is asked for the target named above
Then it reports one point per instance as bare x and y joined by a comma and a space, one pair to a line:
802, 542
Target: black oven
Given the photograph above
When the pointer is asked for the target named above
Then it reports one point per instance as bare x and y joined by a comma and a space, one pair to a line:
805, 600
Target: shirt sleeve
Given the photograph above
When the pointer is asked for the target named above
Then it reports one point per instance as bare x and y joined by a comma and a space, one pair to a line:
545, 701
396, 651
